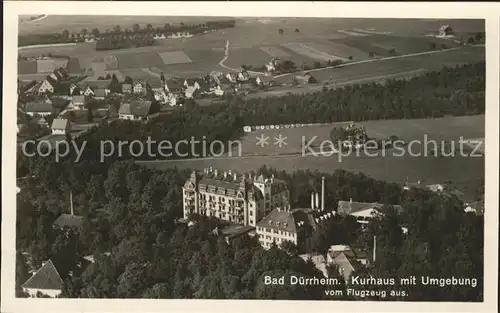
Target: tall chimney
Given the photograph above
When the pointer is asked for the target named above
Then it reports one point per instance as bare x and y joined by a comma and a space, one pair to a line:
317, 200
374, 248
323, 194
71, 202
312, 201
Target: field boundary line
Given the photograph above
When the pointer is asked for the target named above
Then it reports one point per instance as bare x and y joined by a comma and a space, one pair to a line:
369, 61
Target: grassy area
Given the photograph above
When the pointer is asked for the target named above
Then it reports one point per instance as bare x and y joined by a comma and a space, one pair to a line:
389, 167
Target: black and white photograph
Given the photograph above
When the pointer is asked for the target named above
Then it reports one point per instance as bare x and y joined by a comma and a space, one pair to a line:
233, 157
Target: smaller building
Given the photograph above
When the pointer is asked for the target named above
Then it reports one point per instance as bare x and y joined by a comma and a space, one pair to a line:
78, 102
363, 211
303, 80
46, 281
100, 93
139, 87
39, 108
126, 88
60, 126
235, 231
346, 259
445, 30
47, 86
135, 110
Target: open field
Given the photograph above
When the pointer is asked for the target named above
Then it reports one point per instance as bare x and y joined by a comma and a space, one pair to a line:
138, 74
254, 41
174, 57
379, 68
389, 167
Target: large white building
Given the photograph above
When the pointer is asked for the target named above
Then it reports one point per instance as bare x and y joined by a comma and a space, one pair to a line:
240, 199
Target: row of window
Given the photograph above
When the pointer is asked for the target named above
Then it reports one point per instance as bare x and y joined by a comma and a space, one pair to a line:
275, 231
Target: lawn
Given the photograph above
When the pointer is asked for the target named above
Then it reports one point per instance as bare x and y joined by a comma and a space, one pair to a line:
389, 167
139, 60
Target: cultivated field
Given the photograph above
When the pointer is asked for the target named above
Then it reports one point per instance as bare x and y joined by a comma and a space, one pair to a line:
254, 41
389, 167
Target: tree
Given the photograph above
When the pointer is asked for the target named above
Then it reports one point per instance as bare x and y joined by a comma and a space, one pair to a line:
350, 58
136, 28
117, 29
84, 32
95, 32
371, 54
297, 30
128, 80
65, 34
280, 31
149, 28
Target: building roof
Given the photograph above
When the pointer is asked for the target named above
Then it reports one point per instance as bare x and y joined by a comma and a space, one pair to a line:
174, 84
137, 107
60, 123
126, 87
280, 220
78, 99
233, 231
100, 92
68, 220
94, 84
47, 277
39, 106
351, 207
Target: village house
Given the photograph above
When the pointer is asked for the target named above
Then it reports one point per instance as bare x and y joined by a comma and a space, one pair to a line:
347, 260
174, 86
363, 211
191, 83
135, 110
139, 87
39, 108
231, 77
89, 87
243, 76
73, 89
48, 281
171, 100
445, 30
60, 126
126, 88
78, 102
100, 94
262, 80
302, 80
47, 86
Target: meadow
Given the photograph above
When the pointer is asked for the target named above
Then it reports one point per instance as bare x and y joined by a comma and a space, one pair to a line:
254, 41
428, 169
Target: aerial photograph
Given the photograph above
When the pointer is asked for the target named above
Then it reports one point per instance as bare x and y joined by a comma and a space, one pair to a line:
204, 157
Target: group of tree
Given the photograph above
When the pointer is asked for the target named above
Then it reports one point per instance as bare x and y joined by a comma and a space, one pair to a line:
123, 41
132, 213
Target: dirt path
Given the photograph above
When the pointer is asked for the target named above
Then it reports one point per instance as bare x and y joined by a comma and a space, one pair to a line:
226, 55
371, 60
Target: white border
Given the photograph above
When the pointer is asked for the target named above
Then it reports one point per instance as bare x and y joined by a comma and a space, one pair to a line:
488, 11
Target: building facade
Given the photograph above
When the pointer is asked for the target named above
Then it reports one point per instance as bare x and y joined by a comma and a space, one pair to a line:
239, 199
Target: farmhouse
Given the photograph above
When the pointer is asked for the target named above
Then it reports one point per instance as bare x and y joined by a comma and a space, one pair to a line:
39, 108
49, 279
231, 77
78, 102
135, 110
126, 88
191, 83
47, 86
100, 93
74, 90
262, 80
171, 100
173, 86
346, 259
139, 87
60, 126
243, 76
160, 95
303, 80
445, 30
362, 211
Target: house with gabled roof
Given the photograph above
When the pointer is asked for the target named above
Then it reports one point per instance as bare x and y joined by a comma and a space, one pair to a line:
126, 88
39, 108
139, 87
73, 90
243, 76
60, 126
49, 279
174, 86
47, 86
364, 211
347, 260
78, 102
135, 110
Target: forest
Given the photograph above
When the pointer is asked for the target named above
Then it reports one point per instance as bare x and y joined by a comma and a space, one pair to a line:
131, 212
